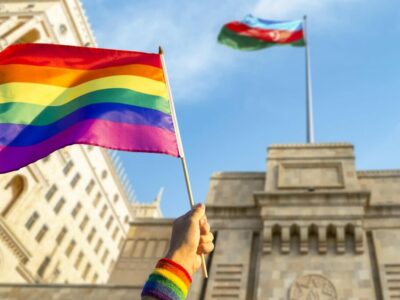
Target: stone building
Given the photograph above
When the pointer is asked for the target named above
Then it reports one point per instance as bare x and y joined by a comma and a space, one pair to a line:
64, 218
310, 227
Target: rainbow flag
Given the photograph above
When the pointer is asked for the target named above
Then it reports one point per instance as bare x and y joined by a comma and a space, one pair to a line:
253, 33
52, 96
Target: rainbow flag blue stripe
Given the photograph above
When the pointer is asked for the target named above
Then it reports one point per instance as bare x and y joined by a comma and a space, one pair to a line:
52, 96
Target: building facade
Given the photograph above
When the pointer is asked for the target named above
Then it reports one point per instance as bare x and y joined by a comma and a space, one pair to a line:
310, 227
64, 218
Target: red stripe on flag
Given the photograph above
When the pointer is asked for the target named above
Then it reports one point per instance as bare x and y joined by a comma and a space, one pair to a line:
272, 36
72, 57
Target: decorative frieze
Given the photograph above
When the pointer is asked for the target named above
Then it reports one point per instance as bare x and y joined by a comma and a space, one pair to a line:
342, 238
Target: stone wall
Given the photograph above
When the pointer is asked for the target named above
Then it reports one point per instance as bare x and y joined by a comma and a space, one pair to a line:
68, 292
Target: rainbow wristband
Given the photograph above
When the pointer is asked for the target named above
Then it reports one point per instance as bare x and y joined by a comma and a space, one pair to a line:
169, 281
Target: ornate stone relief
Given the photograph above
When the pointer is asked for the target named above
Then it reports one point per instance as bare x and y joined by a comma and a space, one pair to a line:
312, 287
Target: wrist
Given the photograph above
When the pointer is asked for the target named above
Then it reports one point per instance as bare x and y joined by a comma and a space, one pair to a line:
183, 259
169, 280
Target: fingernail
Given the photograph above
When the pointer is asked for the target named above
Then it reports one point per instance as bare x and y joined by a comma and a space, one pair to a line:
199, 205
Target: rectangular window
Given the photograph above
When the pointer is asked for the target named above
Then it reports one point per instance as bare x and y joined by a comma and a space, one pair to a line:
115, 233
97, 200
84, 223
87, 270
109, 222
68, 167
59, 205
98, 246
70, 248
76, 209
50, 193
78, 260
61, 235
32, 220
89, 187
91, 234
105, 255
103, 211
42, 232
75, 180
43, 266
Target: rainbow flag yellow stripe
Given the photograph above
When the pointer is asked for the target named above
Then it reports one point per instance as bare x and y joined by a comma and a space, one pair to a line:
52, 96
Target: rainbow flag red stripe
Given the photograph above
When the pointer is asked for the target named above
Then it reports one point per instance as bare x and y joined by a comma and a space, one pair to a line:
253, 33
52, 96
169, 281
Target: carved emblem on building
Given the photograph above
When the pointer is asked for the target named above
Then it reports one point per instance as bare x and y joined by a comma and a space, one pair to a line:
312, 287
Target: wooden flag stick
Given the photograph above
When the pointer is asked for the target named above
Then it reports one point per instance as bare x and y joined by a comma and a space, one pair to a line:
180, 148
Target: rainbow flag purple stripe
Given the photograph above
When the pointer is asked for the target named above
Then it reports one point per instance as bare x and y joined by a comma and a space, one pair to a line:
52, 96
169, 281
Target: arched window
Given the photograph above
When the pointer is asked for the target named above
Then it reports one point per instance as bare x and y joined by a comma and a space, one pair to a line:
14, 189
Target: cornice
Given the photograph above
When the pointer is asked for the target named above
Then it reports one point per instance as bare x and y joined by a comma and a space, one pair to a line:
308, 146
239, 175
230, 212
315, 198
10, 239
383, 211
378, 173
24, 272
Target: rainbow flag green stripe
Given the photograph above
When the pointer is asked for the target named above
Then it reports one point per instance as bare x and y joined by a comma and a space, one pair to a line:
34, 114
52, 96
169, 281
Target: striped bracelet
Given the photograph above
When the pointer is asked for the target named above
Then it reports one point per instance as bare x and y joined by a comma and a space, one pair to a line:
169, 281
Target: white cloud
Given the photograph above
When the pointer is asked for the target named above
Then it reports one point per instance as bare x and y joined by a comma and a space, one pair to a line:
188, 30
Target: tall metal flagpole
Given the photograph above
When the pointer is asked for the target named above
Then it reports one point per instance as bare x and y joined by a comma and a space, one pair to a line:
310, 116
181, 152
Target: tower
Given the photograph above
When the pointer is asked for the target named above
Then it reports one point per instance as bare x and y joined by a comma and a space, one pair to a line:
311, 227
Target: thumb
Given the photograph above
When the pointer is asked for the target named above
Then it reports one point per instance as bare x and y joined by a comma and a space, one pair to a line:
198, 212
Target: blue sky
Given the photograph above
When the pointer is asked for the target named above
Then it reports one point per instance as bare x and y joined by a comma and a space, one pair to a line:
231, 105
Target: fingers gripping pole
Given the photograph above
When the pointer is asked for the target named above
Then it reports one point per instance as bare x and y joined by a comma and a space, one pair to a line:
181, 152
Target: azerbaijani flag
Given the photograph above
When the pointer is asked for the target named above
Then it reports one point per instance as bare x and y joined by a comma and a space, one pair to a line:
253, 33
52, 96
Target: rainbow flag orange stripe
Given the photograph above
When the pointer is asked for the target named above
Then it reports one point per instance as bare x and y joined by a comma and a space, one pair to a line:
52, 96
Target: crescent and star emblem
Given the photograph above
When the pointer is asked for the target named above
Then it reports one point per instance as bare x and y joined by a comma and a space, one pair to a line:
275, 35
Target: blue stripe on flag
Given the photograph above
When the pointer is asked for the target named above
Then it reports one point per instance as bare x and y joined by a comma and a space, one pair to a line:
254, 22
